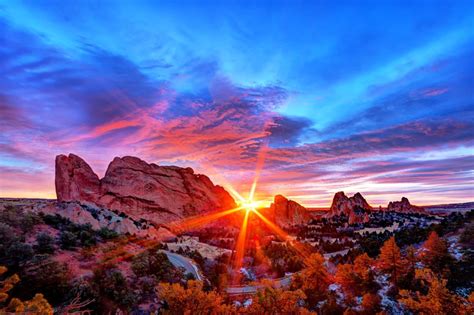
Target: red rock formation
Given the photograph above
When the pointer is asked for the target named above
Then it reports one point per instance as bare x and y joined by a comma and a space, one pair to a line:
75, 179
288, 212
404, 206
158, 193
341, 204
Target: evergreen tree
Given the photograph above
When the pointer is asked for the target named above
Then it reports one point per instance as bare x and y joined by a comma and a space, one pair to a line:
390, 260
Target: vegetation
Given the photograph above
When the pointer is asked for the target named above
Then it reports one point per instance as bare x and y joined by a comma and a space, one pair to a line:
37, 305
413, 270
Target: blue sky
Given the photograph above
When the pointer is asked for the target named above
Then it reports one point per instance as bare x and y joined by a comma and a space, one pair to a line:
370, 96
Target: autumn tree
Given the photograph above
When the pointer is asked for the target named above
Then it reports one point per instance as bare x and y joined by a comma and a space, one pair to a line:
370, 303
314, 279
38, 305
390, 260
356, 279
434, 253
272, 300
437, 301
177, 299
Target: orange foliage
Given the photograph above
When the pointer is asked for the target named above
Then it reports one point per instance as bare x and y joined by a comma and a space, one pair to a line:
435, 253
390, 260
37, 305
272, 300
314, 279
355, 279
191, 300
439, 300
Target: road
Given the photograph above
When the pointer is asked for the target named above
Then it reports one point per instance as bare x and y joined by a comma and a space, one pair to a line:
252, 289
187, 264
190, 266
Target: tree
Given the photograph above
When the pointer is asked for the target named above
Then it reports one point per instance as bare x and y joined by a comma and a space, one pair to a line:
314, 279
38, 305
390, 260
437, 301
272, 300
177, 299
434, 253
370, 303
356, 279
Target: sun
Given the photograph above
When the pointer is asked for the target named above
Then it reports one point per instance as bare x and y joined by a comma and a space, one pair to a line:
251, 205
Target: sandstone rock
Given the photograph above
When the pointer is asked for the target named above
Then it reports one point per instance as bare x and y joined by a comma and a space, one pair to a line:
160, 194
288, 212
342, 204
75, 179
404, 206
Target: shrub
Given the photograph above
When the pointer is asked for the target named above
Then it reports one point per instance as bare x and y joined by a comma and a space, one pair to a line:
45, 243
67, 240
152, 262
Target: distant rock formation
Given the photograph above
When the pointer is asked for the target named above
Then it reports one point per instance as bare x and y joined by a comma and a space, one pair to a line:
160, 194
288, 212
404, 206
341, 204
356, 208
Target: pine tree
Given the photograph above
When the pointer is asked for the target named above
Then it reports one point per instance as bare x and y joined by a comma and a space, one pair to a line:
434, 253
191, 300
356, 279
272, 300
390, 260
314, 279
437, 301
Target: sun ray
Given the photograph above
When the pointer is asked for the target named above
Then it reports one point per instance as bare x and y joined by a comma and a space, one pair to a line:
258, 169
240, 246
192, 222
297, 246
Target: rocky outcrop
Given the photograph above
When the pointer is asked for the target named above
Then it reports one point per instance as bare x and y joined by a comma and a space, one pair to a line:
341, 204
140, 190
355, 208
75, 179
404, 206
288, 212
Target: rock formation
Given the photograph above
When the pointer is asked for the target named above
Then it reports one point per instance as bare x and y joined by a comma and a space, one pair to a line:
404, 206
159, 194
356, 208
341, 204
288, 212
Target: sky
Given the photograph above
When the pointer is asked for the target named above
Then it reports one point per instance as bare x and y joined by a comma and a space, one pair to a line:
323, 96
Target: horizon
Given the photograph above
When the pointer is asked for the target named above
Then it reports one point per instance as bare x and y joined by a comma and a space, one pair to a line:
370, 98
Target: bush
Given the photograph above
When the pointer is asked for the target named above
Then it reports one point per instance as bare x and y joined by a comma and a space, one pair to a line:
19, 253
67, 240
48, 276
107, 234
109, 282
45, 243
152, 262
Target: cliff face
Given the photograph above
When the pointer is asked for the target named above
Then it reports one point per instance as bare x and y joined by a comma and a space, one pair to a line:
141, 190
404, 206
288, 212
